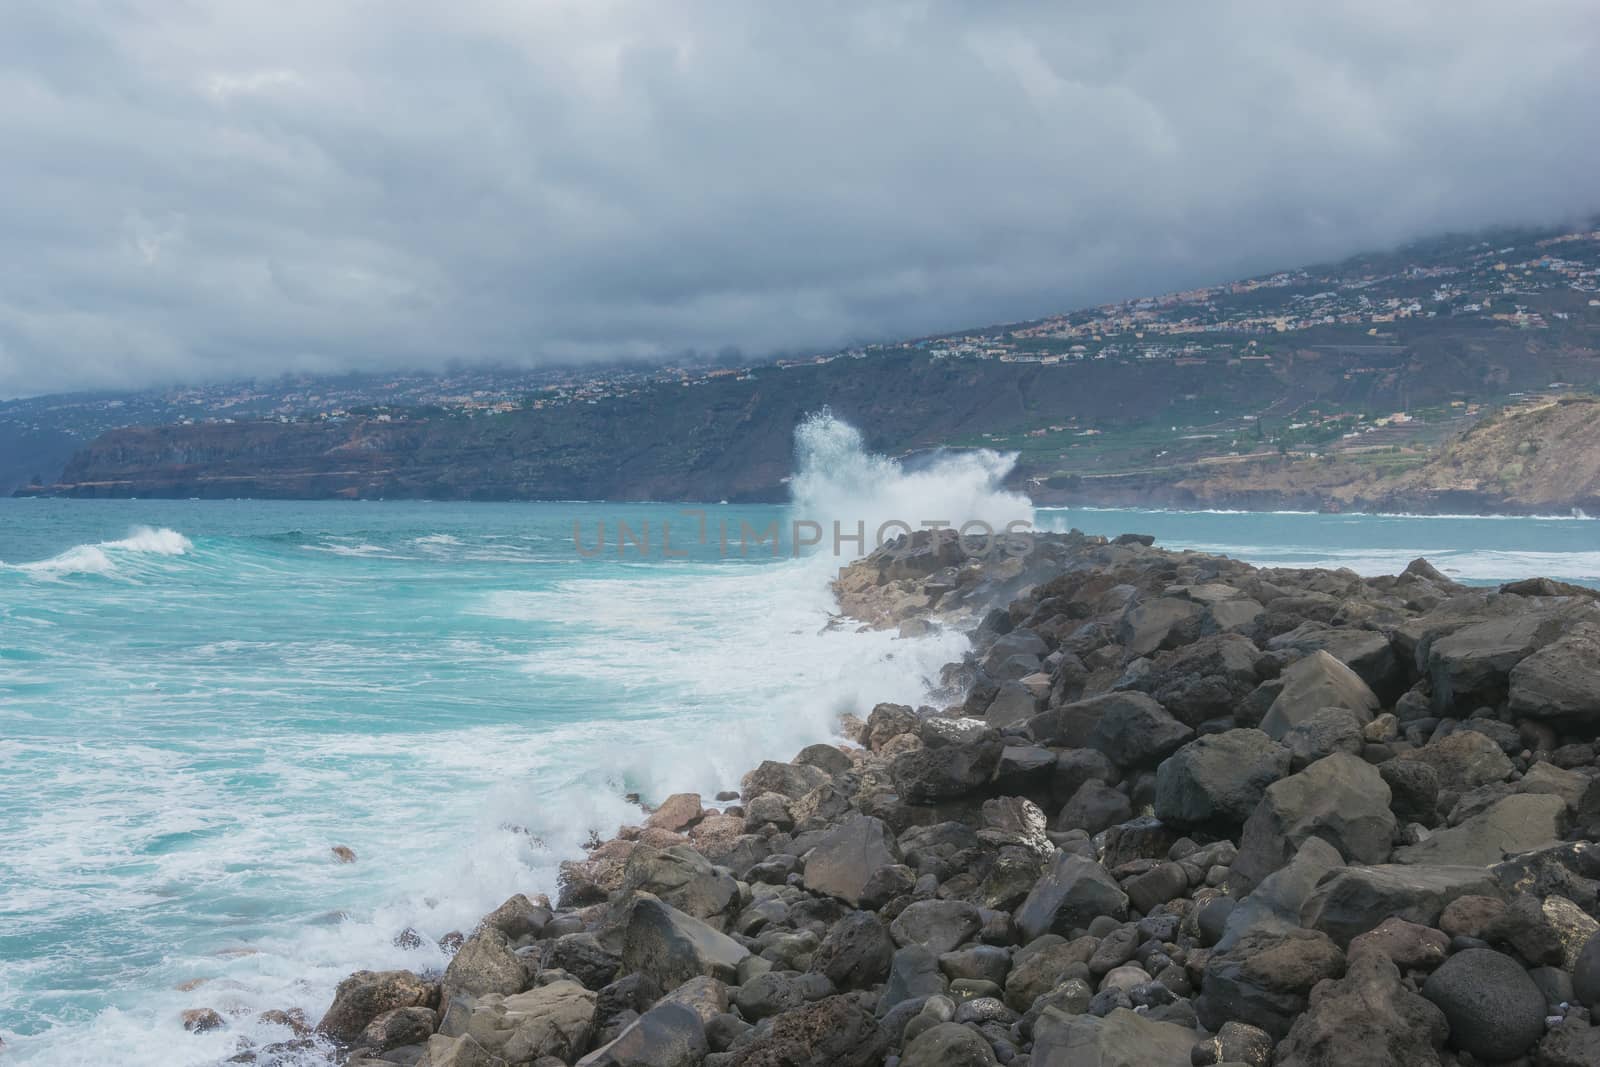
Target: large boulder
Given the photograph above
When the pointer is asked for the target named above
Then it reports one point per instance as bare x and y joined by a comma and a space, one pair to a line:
1340, 798
1463, 761
945, 772
548, 1020
948, 1045
832, 1032
1037, 967
1471, 667
847, 856
1586, 974
460, 1051
937, 925
1495, 1010
485, 963
1515, 824
1365, 1019
683, 878
365, 995
1130, 729
855, 953
1151, 625
1560, 681
668, 1035
1369, 653
1073, 891
1353, 900
670, 947
1218, 778
1121, 1039
1274, 905
1205, 680
787, 779
1266, 978
1315, 682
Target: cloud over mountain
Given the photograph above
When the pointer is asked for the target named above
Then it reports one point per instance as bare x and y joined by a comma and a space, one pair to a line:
209, 190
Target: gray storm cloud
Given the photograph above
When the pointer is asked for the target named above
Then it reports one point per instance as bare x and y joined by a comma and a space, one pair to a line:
214, 190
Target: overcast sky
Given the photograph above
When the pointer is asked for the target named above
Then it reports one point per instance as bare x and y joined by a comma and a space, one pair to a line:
216, 188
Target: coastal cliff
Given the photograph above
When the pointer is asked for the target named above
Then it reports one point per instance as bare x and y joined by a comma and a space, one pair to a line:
1175, 810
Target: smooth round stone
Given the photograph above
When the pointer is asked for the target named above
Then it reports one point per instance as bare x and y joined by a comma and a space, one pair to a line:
1586, 974
1495, 1010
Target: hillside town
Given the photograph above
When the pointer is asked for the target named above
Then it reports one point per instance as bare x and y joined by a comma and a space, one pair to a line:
1544, 282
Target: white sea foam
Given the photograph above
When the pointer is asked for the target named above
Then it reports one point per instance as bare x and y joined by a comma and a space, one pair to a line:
838, 480
101, 558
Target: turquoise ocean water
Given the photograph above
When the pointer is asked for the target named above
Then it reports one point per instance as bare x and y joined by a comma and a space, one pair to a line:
198, 700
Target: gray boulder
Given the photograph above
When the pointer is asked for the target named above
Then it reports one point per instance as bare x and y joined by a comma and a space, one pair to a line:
937, 925
365, 995
683, 878
847, 856
1495, 1010
1365, 1019
1353, 900
1122, 1038
1325, 732
1340, 798
1094, 807
1471, 667
1413, 790
1266, 978
1274, 906
1072, 892
1128, 728
913, 972
855, 953
485, 963
1315, 682
1014, 703
1516, 824
1464, 761
548, 1020
670, 947
1218, 778
833, 1032
948, 1045
668, 1035
1586, 974
1560, 681
1151, 625
787, 779
945, 772
1037, 967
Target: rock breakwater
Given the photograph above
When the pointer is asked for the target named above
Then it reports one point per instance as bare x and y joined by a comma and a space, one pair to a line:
1178, 811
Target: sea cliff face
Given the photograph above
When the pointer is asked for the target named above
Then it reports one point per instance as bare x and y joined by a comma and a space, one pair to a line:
1178, 810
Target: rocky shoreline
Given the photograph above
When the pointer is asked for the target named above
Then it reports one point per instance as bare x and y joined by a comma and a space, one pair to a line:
1179, 811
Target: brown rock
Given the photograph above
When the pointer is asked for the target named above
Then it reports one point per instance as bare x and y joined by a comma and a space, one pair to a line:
677, 813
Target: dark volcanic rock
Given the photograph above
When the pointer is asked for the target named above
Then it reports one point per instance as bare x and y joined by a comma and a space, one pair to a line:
1130, 729
1072, 892
856, 952
1365, 1019
1494, 1009
1340, 798
1315, 682
1560, 681
1265, 979
1353, 900
1218, 778
365, 995
929, 774
848, 855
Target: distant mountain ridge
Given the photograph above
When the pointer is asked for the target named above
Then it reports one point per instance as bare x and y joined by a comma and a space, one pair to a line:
1325, 386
